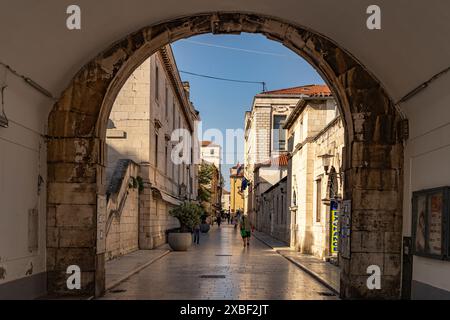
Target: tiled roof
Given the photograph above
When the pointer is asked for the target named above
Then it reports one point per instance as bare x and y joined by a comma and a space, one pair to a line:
207, 143
313, 90
280, 161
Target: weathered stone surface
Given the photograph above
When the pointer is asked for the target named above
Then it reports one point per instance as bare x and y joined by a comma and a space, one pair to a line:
392, 265
74, 150
74, 237
71, 172
376, 156
57, 283
51, 216
361, 261
375, 179
356, 287
392, 241
52, 237
76, 216
82, 257
72, 194
375, 200
373, 220
81, 125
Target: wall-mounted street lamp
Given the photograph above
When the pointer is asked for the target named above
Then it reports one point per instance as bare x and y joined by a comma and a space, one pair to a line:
326, 159
334, 177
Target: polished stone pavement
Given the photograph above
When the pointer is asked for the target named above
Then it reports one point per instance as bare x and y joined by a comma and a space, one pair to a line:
323, 271
221, 268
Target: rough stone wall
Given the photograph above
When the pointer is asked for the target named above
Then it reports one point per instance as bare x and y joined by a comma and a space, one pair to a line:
317, 135
130, 117
262, 127
373, 159
160, 221
331, 141
122, 237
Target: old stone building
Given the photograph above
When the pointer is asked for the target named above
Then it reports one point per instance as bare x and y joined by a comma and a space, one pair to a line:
316, 142
266, 139
148, 110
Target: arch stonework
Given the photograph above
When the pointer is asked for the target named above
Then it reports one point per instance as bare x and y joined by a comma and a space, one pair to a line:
373, 157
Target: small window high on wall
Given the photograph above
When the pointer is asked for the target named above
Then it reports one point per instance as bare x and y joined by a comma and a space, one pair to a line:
279, 134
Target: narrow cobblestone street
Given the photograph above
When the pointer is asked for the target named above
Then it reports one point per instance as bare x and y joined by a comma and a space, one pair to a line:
220, 268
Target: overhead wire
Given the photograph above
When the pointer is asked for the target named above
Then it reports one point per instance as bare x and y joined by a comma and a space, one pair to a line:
224, 79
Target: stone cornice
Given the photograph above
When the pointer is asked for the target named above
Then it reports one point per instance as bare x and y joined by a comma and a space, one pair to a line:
173, 74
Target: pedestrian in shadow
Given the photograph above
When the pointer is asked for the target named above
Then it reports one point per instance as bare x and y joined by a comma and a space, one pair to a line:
197, 233
219, 220
246, 230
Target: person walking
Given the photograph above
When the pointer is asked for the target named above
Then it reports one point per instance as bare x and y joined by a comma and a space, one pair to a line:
246, 230
219, 220
197, 233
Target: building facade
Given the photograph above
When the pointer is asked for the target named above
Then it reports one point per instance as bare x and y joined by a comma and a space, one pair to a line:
211, 153
226, 202
266, 140
266, 175
274, 216
316, 142
143, 127
236, 194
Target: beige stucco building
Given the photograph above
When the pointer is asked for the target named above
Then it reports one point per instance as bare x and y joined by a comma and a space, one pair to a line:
152, 104
226, 201
211, 153
316, 142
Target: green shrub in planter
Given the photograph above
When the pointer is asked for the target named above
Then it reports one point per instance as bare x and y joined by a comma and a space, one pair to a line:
189, 214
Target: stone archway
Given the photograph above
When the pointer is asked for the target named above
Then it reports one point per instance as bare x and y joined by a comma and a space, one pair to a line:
373, 157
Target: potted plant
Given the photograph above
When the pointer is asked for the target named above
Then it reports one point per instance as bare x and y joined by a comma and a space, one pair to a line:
188, 214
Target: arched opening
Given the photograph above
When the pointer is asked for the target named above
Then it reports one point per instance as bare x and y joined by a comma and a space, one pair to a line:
373, 158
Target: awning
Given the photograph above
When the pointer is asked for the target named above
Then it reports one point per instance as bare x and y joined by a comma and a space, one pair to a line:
167, 197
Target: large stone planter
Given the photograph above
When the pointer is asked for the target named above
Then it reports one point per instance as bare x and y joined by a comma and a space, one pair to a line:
180, 241
204, 227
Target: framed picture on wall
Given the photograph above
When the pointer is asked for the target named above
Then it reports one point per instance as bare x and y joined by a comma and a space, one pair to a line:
431, 223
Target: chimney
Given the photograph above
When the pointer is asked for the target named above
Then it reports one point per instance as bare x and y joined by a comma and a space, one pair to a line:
187, 88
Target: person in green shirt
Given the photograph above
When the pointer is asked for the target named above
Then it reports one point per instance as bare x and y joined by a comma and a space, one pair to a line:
246, 229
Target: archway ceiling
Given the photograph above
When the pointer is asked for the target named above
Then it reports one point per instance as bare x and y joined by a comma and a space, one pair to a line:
412, 46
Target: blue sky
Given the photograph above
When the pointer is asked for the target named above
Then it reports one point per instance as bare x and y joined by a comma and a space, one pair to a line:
248, 57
